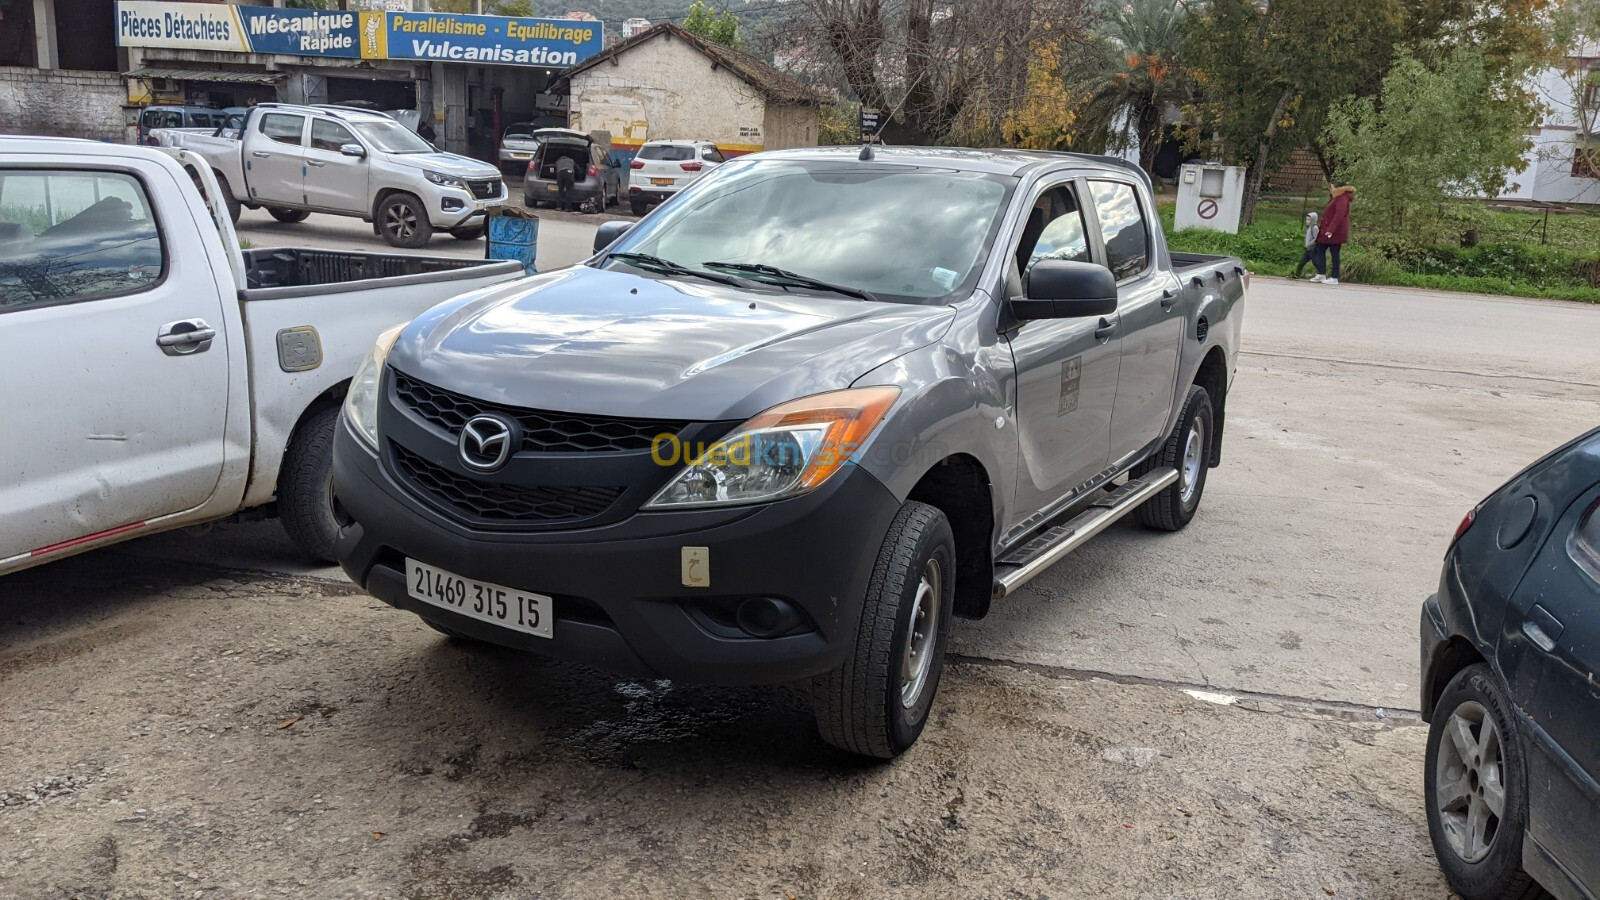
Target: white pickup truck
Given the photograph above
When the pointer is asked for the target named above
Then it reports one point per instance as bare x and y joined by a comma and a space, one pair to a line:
156, 376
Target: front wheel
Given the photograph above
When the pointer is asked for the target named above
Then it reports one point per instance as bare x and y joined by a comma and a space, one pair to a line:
228, 198
305, 486
877, 702
1187, 449
1476, 790
287, 216
471, 233
403, 221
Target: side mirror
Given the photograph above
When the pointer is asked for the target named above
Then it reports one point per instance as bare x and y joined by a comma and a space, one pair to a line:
355, 150
607, 234
1064, 289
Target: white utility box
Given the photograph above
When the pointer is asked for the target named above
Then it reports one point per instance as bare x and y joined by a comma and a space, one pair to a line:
1209, 196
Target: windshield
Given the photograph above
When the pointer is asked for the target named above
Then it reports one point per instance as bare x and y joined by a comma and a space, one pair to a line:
390, 136
910, 235
668, 152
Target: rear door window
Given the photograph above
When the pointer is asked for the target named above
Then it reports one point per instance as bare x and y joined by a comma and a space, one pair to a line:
71, 235
200, 120
285, 129
1122, 227
712, 154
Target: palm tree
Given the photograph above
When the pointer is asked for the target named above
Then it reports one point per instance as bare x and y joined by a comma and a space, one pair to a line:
1128, 72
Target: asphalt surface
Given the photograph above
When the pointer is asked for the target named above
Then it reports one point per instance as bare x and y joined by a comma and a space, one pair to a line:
1222, 712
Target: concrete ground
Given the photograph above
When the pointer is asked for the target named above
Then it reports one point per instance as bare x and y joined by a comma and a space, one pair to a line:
1224, 712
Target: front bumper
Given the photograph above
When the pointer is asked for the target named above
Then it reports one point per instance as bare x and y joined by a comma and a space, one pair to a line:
452, 208
617, 590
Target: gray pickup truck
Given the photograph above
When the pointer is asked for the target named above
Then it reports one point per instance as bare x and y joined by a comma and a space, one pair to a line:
795, 420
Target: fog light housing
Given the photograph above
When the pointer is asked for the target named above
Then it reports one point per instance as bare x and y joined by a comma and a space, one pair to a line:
766, 617
451, 204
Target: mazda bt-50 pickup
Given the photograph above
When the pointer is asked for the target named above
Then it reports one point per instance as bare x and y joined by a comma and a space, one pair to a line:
791, 423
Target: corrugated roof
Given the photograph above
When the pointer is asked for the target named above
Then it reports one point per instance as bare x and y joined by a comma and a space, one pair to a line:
206, 75
773, 84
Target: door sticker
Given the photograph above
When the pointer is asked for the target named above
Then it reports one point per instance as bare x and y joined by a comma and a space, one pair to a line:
1071, 377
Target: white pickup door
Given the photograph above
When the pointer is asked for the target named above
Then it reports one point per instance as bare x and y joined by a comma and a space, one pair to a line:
115, 339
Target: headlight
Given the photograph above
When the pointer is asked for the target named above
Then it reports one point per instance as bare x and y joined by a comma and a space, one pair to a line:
440, 178
786, 451
361, 403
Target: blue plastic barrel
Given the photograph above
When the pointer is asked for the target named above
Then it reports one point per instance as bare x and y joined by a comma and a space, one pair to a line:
514, 238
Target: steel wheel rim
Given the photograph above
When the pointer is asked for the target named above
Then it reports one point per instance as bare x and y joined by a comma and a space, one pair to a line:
1469, 790
1194, 459
400, 219
922, 635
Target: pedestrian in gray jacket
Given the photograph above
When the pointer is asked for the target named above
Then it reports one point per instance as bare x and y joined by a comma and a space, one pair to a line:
1311, 243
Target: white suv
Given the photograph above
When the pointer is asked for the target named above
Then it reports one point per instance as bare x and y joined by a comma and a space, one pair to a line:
663, 168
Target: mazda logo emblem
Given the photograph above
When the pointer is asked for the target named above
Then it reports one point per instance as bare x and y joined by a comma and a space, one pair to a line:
487, 442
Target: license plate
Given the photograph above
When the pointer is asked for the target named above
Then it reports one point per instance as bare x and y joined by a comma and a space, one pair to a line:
521, 155
492, 603
552, 187
665, 182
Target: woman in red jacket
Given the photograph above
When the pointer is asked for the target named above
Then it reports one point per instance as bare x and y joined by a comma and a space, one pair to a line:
1335, 231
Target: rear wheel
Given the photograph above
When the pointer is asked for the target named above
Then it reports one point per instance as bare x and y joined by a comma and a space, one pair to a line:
305, 486
403, 221
289, 216
877, 702
639, 207
1476, 790
1187, 449
228, 197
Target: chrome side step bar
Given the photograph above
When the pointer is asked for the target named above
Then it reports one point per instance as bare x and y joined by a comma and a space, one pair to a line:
1021, 565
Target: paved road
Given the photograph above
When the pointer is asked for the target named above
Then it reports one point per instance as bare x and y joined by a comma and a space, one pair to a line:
1176, 715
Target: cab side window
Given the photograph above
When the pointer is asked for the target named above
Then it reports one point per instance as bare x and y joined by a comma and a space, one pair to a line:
330, 136
1055, 230
71, 235
1122, 227
284, 129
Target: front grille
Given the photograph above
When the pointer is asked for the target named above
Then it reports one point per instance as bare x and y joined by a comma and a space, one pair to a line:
503, 502
486, 189
542, 431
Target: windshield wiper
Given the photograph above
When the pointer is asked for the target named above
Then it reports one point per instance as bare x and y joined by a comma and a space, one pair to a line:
784, 276
668, 267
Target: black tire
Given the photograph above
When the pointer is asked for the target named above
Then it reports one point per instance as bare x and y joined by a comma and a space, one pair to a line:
1172, 509
228, 197
305, 486
471, 233
861, 706
403, 221
639, 207
287, 216
1498, 874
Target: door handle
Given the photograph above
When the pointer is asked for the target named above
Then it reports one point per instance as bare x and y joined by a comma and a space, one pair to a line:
312, 162
258, 154
185, 336
1106, 330
1168, 298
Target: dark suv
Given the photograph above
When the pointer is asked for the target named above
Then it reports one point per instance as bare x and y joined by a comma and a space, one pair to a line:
1511, 686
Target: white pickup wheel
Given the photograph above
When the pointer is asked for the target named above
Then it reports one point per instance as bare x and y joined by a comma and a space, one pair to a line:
305, 486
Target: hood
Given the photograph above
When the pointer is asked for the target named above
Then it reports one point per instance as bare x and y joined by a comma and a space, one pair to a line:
448, 164
587, 340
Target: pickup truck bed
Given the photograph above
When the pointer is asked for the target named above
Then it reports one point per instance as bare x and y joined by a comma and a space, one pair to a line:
316, 271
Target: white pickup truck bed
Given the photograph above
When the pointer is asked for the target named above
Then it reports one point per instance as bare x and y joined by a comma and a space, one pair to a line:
156, 375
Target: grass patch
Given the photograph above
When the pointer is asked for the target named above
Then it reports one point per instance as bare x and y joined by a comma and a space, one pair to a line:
1506, 261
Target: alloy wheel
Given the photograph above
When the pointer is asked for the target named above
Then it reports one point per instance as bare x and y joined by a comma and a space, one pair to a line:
1469, 781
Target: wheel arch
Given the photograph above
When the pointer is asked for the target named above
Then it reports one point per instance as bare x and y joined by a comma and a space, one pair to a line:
1458, 653
1213, 377
959, 486
330, 398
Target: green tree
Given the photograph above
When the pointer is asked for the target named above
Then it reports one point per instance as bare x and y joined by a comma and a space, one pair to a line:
718, 27
1131, 67
1440, 130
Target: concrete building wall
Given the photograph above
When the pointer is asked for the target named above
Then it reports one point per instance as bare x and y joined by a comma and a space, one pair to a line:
63, 103
792, 126
664, 89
